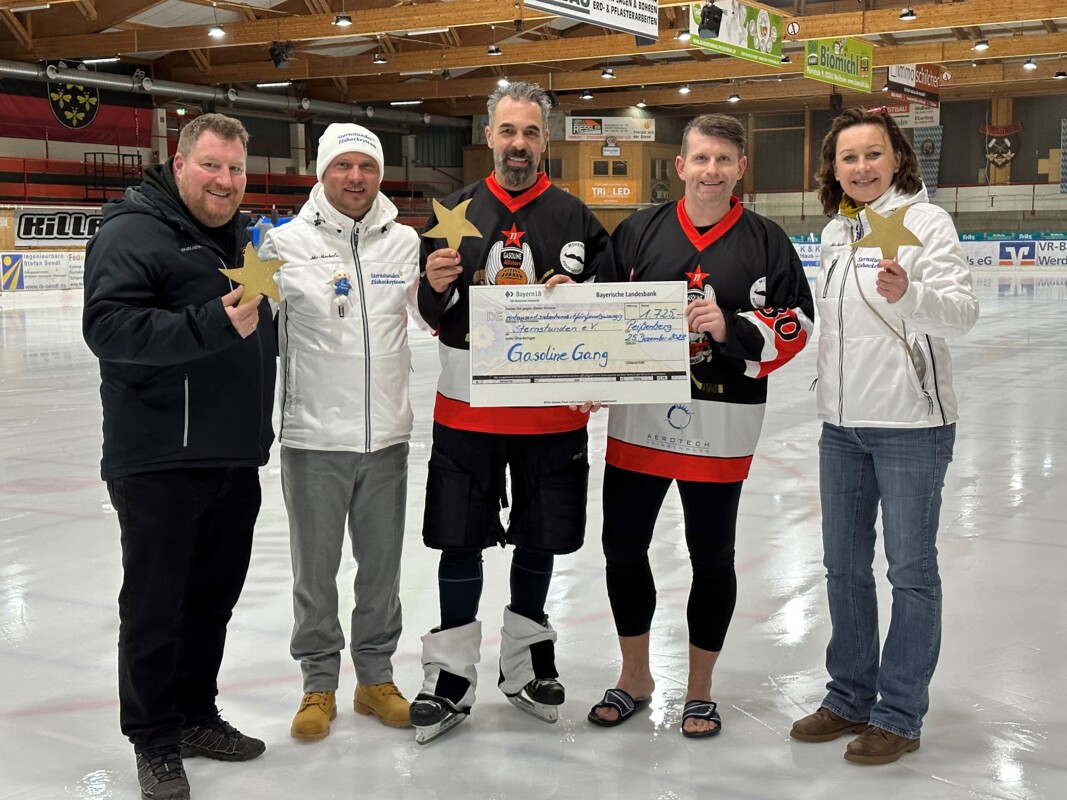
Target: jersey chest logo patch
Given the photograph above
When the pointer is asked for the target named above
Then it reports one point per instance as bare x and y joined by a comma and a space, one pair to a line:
510, 262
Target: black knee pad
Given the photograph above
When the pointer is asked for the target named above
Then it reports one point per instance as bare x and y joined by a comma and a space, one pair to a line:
458, 513
554, 522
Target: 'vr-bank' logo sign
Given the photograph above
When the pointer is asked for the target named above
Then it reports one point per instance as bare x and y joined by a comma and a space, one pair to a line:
1018, 254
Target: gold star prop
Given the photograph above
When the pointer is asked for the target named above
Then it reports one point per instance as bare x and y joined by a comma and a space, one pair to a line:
452, 225
256, 276
888, 233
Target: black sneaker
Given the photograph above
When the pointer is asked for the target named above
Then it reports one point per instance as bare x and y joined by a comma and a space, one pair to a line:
162, 776
215, 738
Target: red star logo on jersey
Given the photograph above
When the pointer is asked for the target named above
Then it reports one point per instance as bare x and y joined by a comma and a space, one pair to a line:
696, 278
514, 237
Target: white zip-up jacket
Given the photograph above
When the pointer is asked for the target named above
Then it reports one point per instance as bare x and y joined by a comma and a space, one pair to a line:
867, 377
343, 380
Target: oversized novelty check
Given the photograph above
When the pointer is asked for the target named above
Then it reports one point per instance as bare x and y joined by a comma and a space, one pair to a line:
611, 342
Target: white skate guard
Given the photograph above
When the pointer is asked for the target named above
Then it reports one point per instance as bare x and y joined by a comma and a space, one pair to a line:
450, 676
528, 674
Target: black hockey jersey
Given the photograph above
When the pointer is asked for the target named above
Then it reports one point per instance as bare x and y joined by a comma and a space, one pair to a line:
526, 239
746, 264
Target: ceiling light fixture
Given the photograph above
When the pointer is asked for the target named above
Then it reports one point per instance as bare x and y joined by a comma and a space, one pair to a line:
885, 87
1060, 75
641, 103
493, 50
343, 20
981, 44
37, 7
503, 81
404, 102
908, 15
446, 75
109, 60
607, 74
683, 36
427, 31
786, 59
216, 31
1030, 64
272, 84
734, 98
586, 95
378, 57
683, 89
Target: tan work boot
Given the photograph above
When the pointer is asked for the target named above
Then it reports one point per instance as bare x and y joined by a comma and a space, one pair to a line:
878, 746
824, 726
312, 721
384, 701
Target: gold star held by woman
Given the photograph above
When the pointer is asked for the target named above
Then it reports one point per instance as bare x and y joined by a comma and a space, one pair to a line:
452, 225
888, 233
256, 276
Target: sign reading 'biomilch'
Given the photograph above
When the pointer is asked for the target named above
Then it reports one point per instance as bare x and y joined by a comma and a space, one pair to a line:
842, 62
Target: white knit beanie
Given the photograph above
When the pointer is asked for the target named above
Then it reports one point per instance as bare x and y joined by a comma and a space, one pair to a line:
347, 137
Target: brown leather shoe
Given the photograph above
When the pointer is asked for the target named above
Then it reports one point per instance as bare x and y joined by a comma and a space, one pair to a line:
878, 746
384, 701
823, 726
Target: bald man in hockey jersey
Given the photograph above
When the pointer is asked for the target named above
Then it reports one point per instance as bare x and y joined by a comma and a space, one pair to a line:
532, 233
750, 311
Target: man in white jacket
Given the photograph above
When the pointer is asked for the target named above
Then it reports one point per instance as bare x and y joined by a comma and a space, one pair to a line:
350, 276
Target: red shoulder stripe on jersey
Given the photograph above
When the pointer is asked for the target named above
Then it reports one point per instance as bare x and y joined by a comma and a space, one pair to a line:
717, 230
507, 419
513, 204
649, 461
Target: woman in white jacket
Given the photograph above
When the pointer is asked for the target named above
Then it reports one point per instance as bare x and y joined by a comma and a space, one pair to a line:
888, 409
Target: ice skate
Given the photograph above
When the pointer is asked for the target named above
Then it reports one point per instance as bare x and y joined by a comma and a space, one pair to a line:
541, 698
433, 716
450, 676
528, 674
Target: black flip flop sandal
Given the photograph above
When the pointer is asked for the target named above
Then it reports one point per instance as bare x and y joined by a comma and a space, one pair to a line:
701, 709
622, 702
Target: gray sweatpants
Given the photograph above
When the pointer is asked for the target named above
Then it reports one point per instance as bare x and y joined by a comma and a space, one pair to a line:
321, 489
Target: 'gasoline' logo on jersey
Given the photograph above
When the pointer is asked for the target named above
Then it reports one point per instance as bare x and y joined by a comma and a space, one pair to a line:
509, 266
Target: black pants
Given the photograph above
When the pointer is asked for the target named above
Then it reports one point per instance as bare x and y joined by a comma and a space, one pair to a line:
186, 543
632, 502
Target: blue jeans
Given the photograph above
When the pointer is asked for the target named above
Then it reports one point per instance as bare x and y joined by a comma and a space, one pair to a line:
903, 470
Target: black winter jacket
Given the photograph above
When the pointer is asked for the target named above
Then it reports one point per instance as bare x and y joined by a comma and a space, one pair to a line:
180, 388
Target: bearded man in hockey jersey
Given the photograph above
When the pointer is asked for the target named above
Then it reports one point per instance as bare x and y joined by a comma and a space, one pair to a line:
532, 233
750, 311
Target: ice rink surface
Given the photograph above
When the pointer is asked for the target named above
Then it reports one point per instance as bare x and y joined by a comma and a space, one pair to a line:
997, 727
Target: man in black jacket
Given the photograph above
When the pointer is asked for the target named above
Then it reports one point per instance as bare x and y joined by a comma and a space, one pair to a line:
187, 382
